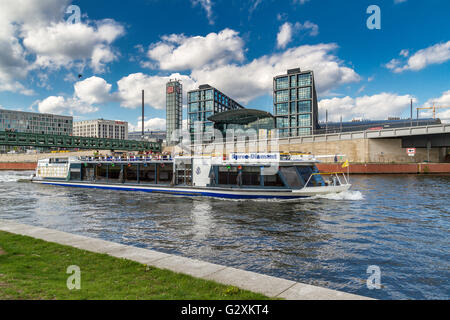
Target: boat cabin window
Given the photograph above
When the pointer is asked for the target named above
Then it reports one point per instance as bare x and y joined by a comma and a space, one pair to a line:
273, 180
165, 171
88, 172
306, 172
115, 173
75, 172
292, 178
147, 173
251, 176
101, 172
228, 175
130, 173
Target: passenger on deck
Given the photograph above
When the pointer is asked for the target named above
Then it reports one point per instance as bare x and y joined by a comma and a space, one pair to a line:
212, 177
239, 178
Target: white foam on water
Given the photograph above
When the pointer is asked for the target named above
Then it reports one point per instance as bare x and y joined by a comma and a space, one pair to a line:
345, 195
10, 176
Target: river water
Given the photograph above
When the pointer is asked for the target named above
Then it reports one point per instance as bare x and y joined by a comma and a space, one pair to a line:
399, 223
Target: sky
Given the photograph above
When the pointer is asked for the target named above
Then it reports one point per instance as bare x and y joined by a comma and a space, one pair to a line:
93, 62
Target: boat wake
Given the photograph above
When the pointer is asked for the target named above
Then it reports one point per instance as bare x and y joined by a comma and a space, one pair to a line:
15, 176
345, 195
348, 195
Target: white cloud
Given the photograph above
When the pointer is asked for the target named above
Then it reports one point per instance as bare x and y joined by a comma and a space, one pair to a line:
207, 6
93, 90
254, 79
61, 44
63, 106
153, 124
284, 35
308, 25
177, 52
34, 35
87, 93
287, 31
378, 106
436, 54
130, 89
404, 53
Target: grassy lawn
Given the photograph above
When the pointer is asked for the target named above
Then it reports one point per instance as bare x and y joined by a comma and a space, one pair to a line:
36, 269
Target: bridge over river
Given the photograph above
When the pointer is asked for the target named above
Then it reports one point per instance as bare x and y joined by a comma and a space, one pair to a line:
8, 138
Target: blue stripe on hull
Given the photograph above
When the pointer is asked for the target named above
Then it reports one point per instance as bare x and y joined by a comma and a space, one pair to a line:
179, 193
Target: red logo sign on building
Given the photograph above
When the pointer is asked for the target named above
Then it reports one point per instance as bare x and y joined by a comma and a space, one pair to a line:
169, 89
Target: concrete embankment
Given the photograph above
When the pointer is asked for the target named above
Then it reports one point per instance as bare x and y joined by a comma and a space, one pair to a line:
255, 282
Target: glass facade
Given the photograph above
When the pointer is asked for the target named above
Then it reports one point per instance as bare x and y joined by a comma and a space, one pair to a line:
295, 103
205, 102
31, 122
174, 108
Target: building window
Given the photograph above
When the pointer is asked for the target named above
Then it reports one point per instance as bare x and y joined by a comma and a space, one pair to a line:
304, 79
282, 122
282, 83
282, 108
304, 131
293, 81
293, 94
193, 107
209, 94
304, 106
283, 96
193, 96
209, 105
304, 120
293, 107
304, 93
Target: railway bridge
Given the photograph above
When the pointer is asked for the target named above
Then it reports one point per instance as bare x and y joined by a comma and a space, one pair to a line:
22, 139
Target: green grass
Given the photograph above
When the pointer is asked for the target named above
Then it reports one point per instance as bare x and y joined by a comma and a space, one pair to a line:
36, 269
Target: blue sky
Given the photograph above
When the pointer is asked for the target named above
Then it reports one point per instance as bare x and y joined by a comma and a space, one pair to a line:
121, 47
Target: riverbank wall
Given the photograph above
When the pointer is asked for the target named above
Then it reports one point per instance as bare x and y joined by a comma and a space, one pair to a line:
29, 162
255, 282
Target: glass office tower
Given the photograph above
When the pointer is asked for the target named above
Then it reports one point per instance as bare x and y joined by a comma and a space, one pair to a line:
295, 103
33, 122
203, 103
174, 109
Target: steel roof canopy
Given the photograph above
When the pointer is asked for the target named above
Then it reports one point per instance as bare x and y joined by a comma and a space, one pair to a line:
239, 116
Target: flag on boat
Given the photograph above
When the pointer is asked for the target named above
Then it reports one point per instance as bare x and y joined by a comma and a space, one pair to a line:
345, 164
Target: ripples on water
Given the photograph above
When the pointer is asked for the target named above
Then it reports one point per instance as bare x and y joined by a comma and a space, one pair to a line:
397, 222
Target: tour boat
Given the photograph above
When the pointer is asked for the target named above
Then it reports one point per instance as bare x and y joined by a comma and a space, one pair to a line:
236, 176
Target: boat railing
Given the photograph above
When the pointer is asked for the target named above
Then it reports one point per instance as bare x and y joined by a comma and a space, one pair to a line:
126, 159
336, 178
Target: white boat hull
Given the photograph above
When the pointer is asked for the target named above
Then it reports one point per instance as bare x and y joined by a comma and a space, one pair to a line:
233, 193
